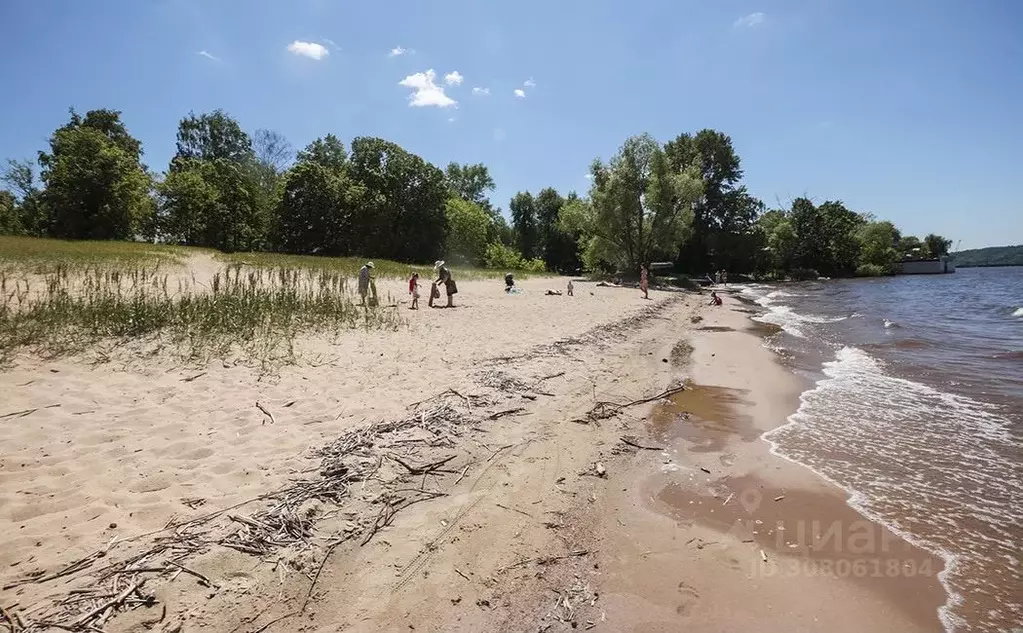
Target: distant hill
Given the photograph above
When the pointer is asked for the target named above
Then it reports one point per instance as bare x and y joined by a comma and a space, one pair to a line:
991, 256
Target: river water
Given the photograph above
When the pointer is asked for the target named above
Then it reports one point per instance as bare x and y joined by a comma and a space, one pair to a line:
916, 409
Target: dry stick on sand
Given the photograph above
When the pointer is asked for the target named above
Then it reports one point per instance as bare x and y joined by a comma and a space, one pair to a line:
427, 468
604, 410
117, 600
10, 620
26, 412
544, 560
267, 412
631, 442
192, 572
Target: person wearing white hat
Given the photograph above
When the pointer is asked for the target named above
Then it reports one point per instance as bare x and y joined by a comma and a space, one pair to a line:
366, 282
444, 277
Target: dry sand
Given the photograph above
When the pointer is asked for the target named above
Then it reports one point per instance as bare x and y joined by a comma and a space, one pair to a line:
138, 443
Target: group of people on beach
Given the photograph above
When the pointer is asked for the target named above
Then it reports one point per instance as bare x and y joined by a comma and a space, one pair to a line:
443, 279
368, 286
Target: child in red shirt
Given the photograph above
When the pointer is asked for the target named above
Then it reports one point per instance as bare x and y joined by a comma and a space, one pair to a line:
413, 289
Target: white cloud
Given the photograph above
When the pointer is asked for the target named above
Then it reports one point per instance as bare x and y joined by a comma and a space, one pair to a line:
529, 83
209, 56
481, 91
452, 119
312, 50
588, 176
750, 20
453, 78
332, 43
397, 51
520, 93
425, 91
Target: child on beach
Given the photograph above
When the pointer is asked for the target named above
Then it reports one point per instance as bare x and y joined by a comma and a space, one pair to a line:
570, 287
643, 282
715, 300
413, 289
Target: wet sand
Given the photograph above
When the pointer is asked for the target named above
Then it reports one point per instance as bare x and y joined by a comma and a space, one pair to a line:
715, 533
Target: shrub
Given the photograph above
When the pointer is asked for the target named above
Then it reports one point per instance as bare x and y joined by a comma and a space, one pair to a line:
871, 270
803, 274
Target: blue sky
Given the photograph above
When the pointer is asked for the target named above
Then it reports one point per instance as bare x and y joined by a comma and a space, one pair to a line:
910, 110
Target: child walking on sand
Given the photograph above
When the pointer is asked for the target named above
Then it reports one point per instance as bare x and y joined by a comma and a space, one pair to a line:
413, 289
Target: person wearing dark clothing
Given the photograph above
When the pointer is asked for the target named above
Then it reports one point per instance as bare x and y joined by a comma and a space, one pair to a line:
444, 278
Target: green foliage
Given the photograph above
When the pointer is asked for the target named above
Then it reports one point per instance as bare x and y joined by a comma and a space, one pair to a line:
96, 186
936, 246
501, 257
320, 204
471, 183
991, 256
211, 136
877, 242
871, 270
638, 209
259, 311
10, 219
523, 211
405, 217
468, 227
725, 213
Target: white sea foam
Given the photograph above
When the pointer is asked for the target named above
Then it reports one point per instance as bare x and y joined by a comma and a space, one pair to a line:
886, 441
1018, 312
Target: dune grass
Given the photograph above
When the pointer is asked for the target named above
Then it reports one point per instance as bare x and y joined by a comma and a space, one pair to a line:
44, 255
258, 312
350, 266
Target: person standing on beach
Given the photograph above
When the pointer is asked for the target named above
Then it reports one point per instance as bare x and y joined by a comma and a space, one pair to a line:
724, 277
643, 282
444, 278
413, 289
366, 282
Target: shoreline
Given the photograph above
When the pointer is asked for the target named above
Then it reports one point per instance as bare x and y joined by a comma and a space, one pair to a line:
547, 501
885, 597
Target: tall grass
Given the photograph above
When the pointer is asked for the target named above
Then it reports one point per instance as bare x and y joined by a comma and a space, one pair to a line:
259, 311
350, 266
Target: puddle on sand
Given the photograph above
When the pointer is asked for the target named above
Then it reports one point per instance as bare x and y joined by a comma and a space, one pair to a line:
763, 330
703, 416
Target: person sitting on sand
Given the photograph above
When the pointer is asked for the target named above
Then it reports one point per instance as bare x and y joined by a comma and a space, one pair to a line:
715, 300
509, 282
366, 282
444, 277
571, 287
413, 289
643, 281
553, 293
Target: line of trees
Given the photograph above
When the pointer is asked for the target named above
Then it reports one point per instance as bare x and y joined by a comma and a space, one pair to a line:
681, 201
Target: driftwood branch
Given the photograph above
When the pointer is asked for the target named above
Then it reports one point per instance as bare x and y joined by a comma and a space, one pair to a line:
267, 412
633, 443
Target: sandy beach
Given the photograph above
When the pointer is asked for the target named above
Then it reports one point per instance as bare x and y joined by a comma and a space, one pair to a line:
505, 500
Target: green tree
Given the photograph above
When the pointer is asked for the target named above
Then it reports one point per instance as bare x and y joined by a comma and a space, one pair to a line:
723, 207
406, 220
936, 246
211, 136
32, 214
187, 199
843, 249
468, 227
910, 246
10, 220
471, 183
96, 185
328, 151
878, 254
523, 212
639, 208
320, 204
